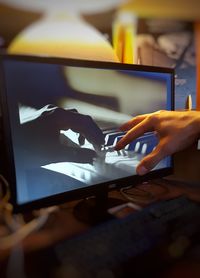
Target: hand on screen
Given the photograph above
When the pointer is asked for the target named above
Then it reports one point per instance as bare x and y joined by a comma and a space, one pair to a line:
43, 143
176, 130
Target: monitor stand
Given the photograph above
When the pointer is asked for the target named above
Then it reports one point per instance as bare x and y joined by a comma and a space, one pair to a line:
94, 210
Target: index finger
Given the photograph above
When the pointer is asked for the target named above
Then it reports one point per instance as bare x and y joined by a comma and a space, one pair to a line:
134, 133
133, 122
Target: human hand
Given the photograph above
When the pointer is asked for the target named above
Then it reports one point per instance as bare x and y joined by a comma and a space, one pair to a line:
41, 137
176, 130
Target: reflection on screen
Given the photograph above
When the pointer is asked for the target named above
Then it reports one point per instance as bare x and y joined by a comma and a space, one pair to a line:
65, 124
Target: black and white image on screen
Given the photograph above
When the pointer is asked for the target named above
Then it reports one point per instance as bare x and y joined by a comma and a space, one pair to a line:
67, 124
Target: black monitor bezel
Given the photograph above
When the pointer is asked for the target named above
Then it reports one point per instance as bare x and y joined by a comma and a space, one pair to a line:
82, 192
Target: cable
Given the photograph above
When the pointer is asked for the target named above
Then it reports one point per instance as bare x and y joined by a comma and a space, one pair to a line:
141, 195
19, 230
16, 224
161, 183
20, 233
9, 241
137, 194
16, 263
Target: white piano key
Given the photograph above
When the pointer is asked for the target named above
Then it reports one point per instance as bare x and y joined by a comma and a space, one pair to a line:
111, 138
137, 146
106, 139
127, 147
144, 148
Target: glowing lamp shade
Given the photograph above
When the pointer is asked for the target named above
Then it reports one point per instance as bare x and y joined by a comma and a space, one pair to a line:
63, 37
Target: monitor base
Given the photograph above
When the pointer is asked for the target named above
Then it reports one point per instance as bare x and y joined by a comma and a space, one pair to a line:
94, 210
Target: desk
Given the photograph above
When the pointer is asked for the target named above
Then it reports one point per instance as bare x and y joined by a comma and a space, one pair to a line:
63, 225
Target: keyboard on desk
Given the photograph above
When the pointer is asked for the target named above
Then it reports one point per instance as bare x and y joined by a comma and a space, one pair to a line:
112, 249
109, 164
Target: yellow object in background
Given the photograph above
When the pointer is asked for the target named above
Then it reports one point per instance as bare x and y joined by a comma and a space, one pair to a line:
197, 37
118, 39
177, 9
124, 37
129, 40
188, 103
69, 37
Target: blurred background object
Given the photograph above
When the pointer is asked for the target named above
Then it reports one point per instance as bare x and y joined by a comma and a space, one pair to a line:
14, 20
61, 28
178, 9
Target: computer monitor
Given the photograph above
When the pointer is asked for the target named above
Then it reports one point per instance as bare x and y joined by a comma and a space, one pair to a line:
61, 120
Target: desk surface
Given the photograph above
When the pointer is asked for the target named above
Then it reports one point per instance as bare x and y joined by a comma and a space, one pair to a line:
63, 225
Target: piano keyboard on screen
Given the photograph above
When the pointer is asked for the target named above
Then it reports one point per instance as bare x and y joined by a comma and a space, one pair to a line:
109, 164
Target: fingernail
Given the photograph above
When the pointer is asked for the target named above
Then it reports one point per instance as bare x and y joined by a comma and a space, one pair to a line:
142, 170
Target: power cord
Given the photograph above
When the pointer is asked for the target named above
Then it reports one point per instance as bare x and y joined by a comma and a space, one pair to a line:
18, 227
140, 195
14, 229
21, 232
136, 195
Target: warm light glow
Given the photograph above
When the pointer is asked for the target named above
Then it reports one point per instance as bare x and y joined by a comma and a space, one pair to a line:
72, 38
182, 9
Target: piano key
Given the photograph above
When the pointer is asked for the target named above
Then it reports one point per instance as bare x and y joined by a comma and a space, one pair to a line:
144, 148
137, 146
110, 138
110, 164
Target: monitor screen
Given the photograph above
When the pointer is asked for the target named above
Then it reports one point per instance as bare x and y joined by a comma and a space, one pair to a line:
63, 116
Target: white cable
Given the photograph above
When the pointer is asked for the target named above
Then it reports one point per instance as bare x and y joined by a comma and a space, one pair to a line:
16, 222
11, 240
